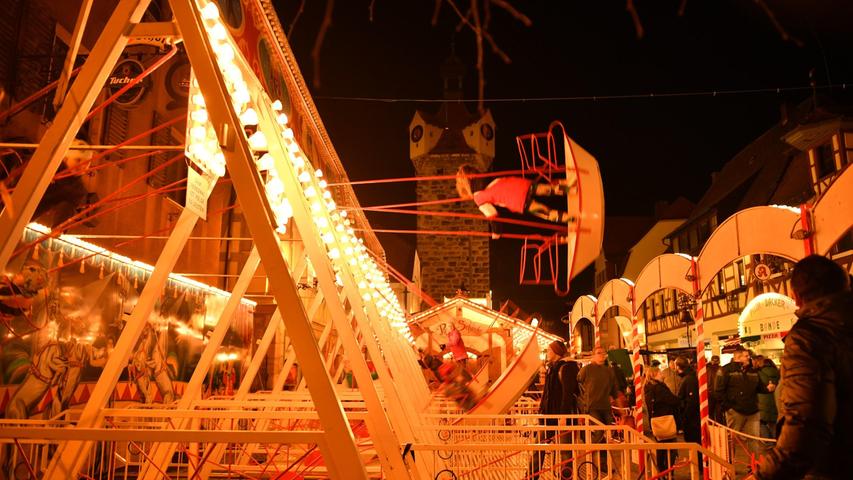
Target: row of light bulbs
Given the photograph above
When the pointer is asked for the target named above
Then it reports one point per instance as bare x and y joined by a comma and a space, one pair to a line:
344, 248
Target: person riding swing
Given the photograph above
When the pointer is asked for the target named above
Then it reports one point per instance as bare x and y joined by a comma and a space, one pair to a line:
516, 194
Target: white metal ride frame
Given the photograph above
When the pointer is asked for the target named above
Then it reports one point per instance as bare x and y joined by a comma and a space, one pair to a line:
402, 398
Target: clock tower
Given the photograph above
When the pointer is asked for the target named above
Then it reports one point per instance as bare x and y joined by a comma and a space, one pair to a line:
439, 143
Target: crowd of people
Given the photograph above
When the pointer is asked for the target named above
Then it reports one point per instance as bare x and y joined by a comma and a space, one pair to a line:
801, 404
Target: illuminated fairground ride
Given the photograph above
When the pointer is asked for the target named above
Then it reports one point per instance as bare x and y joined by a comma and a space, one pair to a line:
255, 120
249, 115
551, 154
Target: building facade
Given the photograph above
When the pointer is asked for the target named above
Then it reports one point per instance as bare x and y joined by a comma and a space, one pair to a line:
630, 243
791, 164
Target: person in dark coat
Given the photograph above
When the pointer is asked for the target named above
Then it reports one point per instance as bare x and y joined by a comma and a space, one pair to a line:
559, 394
688, 397
767, 373
712, 368
559, 397
737, 388
661, 402
816, 421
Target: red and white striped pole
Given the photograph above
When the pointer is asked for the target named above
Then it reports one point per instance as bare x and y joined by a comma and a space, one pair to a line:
702, 371
637, 364
597, 328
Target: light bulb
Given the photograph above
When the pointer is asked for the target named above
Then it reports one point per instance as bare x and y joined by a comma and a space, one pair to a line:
224, 53
218, 32
241, 96
258, 141
266, 162
281, 118
275, 187
277, 106
249, 117
210, 11
199, 115
198, 132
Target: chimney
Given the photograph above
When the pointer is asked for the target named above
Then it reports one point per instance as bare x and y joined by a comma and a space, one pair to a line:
784, 112
714, 176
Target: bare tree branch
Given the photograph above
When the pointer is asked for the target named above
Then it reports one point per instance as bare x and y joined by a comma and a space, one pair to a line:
638, 25
524, 19
778, 26
487, 15
464, 21
435, 11
481, 77
295, 18
463, 18
495, 49
318, 41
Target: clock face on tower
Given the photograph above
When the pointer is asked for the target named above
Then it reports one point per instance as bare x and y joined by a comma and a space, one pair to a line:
417, 133
487, 131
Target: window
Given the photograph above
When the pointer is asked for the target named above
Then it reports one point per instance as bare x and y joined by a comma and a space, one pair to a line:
848, 144
740, 278
704, 230
721, 283
824, 160
694, 240
684, 242
659, 305
671, 306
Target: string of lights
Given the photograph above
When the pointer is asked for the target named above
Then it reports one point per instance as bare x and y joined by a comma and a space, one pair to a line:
80, 251
346, 251
574, 98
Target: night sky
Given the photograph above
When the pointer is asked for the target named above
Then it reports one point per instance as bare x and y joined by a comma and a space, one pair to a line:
648, 149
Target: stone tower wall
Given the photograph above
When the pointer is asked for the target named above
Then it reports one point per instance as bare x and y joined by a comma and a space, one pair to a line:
447, 261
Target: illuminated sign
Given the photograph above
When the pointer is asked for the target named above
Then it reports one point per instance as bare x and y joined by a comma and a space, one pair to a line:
124, 73
762, 271
767, 314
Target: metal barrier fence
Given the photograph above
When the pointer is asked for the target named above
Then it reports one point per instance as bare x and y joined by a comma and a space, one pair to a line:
743, 451
236, 439
550, 447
